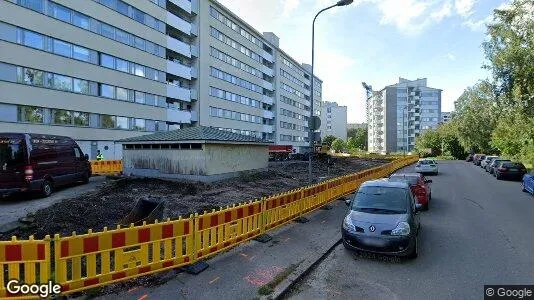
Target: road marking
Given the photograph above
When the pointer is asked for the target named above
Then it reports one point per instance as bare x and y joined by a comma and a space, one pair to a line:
132, 289
214, 280
252, 257
243, 254
287, 239
145, 296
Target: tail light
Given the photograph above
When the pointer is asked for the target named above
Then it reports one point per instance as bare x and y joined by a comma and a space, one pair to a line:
28, 173
503, 169
418, 190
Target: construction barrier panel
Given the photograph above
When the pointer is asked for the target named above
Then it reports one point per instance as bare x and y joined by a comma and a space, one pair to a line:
105, 167
97, 259
25, 261
217, 231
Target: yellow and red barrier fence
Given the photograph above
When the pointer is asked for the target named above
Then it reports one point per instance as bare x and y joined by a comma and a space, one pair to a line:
106, 167
96, 259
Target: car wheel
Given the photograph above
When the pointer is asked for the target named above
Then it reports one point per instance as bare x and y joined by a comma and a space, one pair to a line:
46, 188
85, 178
498, 176
415, 251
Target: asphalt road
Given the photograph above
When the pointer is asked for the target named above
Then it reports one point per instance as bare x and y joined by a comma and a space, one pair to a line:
15, 207
478, 231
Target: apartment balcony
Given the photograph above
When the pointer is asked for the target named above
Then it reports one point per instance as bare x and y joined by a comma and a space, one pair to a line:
307, 103
194, 72
267, 100
179, 46
194, 6
194, 29
268, 56
268, 85
178, 23
177, 92
178, 69
194, 94
194, 51
194, 116
178, 116
267, 128
267, 71
183, 4
267, 114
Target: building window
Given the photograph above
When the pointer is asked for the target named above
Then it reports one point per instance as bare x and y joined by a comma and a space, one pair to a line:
80, 20
33, 77
122, 94
139, 97
122, 123
107, 61
59, 12
107, 91
80, 118
139, 124
61, 82
139, 70
33, 40
107, 121
61, 117
81, 86
37, 5
108, 31
62, 48
30, 114
80, 53
122, 36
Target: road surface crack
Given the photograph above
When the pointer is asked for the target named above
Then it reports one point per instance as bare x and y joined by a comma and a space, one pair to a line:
474, 202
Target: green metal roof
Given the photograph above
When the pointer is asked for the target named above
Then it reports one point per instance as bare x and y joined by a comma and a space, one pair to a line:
197, 133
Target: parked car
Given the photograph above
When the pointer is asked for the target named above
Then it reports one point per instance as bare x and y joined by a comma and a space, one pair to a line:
427, 166
495, 163
469, 158
507, 169
477, 157
480, 159
383, 218
39, 163
486, 160
419, 185
528, 183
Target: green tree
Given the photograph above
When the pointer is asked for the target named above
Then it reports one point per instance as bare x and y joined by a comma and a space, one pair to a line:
338, 145
510, 53
329, 139
429, 139
351, 143
360, 138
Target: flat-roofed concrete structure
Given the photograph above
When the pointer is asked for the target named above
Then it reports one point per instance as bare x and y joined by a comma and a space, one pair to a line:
196, 153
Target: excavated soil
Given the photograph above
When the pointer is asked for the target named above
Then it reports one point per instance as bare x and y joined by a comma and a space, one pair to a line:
116, 198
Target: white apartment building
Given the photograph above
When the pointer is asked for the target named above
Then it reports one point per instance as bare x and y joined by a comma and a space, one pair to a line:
445, 116
104, 70
334, 120
400, 112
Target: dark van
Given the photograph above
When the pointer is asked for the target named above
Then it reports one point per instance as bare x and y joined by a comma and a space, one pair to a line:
39, 163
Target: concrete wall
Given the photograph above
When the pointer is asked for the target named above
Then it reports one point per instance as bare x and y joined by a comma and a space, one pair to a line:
235, 158
213, 162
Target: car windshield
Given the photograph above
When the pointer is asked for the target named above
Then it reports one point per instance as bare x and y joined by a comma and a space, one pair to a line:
513, 165
381, 200
11, 153
401, 178
427, 162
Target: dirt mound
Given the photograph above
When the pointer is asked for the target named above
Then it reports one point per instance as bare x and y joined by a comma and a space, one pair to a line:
111, 203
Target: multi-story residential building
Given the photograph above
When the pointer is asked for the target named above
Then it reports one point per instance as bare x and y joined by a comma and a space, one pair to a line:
356, 125
445, 116
104, 70
334, 120
400, 112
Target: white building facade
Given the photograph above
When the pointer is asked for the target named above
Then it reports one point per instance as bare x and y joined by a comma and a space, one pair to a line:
334, 120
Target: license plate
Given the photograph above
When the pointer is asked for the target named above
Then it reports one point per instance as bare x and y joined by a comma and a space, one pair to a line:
373, 242
513, 170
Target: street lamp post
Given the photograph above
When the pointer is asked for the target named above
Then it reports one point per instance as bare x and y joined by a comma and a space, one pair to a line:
310, 130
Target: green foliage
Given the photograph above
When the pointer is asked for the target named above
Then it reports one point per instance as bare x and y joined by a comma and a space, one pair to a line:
329, 139
360, 138
338, 145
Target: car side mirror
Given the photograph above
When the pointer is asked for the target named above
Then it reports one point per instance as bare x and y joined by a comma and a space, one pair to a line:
418, 207
86, 156
428, 181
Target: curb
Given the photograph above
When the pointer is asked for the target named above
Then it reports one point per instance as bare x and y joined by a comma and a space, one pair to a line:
302, 270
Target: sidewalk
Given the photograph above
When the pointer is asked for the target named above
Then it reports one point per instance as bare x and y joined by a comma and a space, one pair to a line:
240, 272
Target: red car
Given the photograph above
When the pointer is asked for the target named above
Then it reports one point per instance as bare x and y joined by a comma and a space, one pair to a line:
419, 185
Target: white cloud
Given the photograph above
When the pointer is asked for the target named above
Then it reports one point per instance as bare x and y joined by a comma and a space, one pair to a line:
464, 7
451, 56
289, 6
444, 12
478, 25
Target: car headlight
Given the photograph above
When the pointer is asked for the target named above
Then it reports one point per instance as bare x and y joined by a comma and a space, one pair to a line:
347, 224
403, 228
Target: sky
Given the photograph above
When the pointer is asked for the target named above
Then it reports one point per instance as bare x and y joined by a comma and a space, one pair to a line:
378, 41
